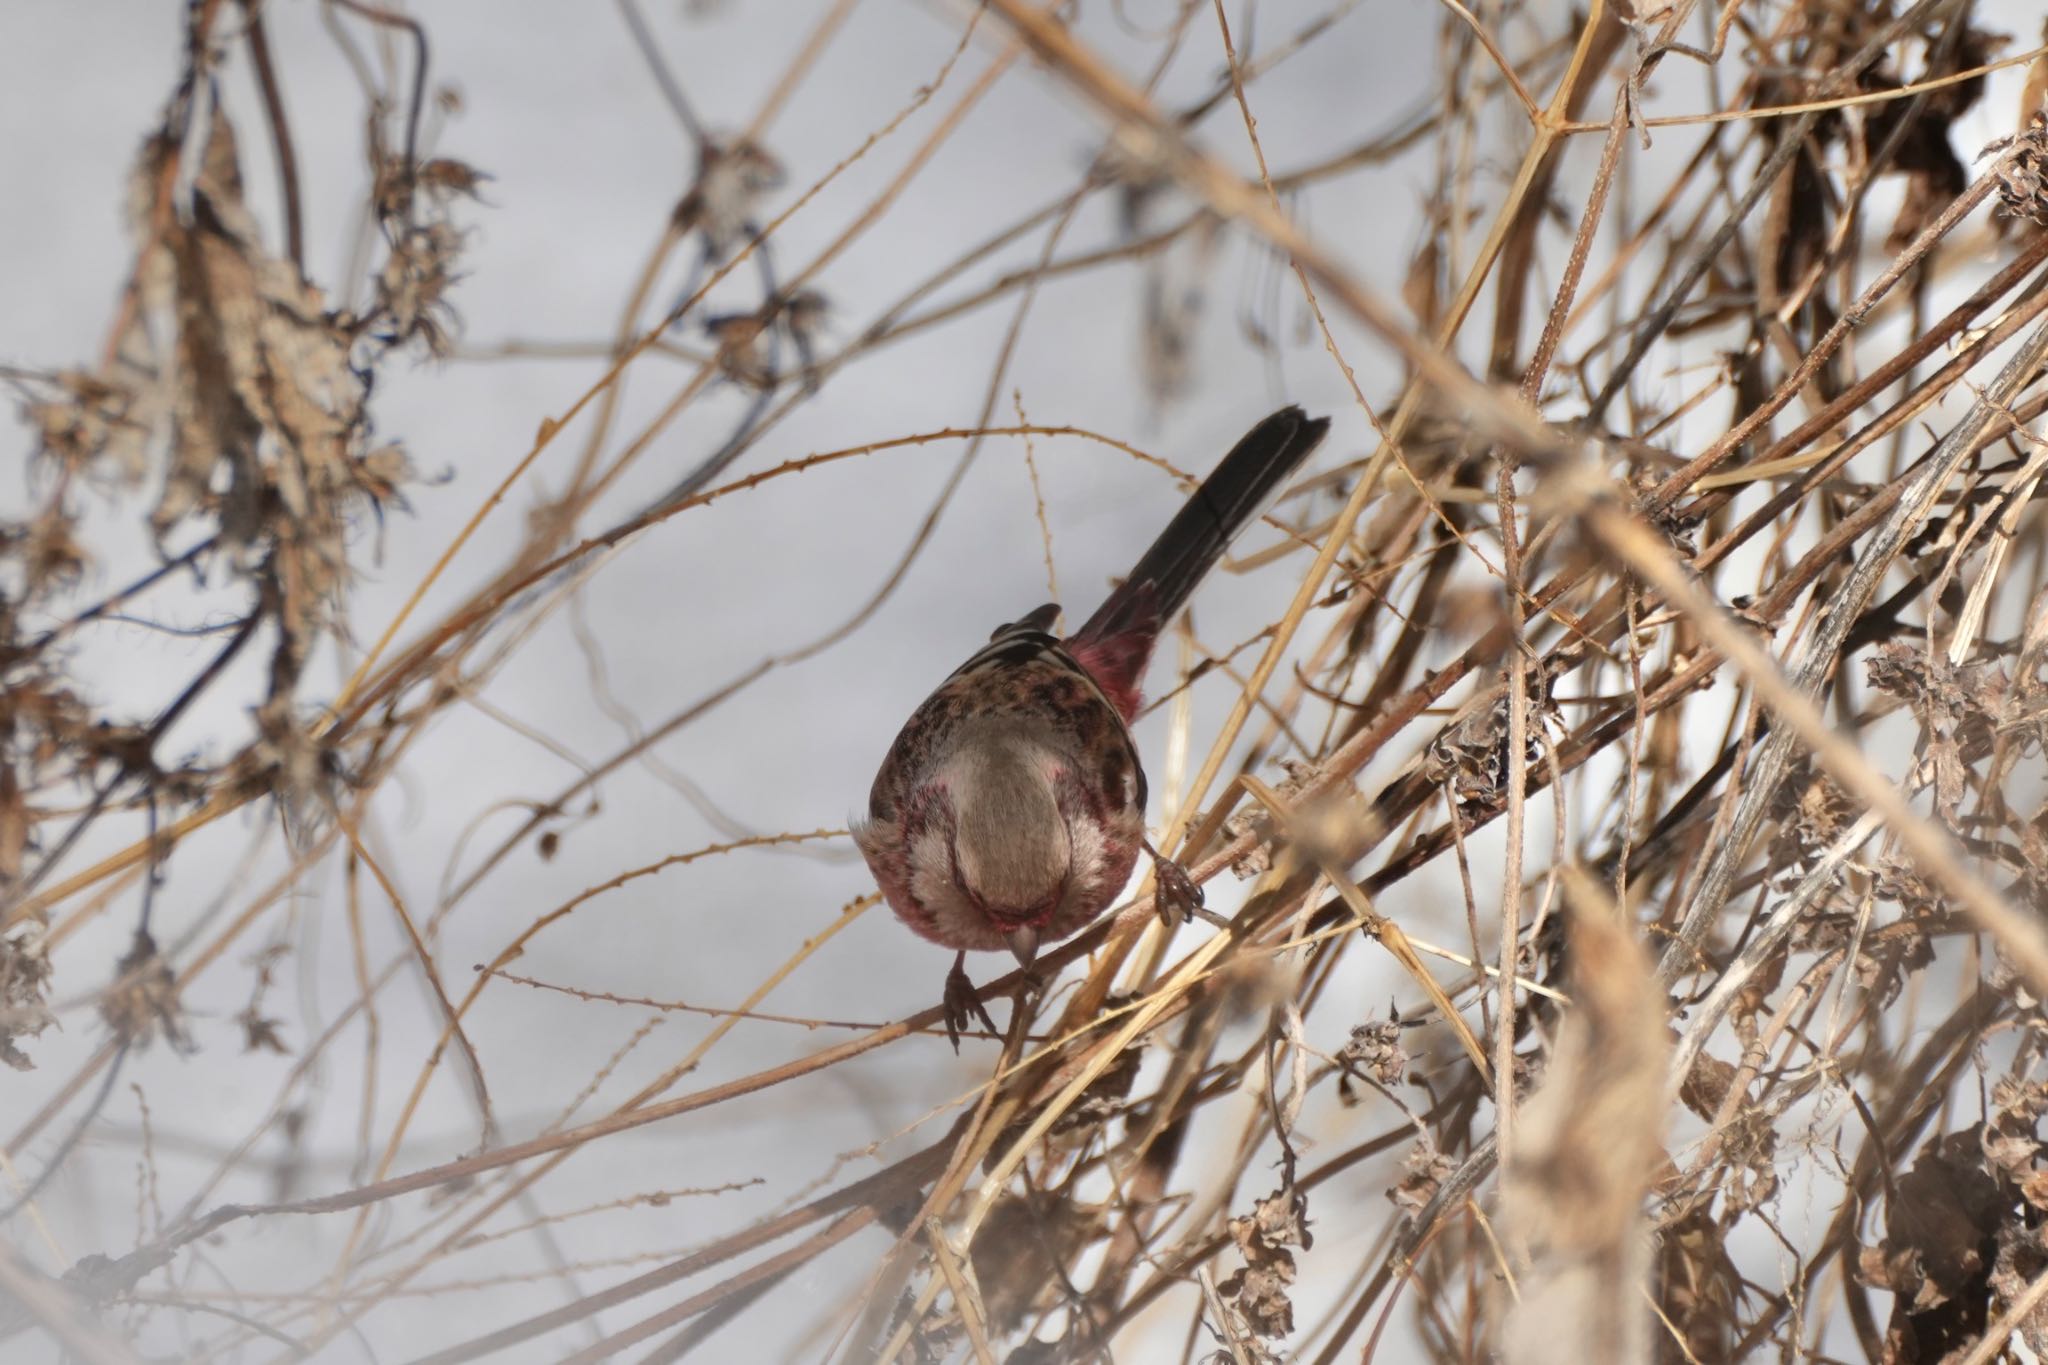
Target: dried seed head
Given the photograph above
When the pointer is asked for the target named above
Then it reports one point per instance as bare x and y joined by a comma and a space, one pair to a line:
413, 286
732, 179
143, 998
742, 356
2023, 173
1376, 1050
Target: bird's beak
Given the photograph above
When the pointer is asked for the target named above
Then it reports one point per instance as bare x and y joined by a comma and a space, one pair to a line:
1024, 943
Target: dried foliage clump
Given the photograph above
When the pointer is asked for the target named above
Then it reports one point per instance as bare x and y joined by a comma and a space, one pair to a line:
1623, 807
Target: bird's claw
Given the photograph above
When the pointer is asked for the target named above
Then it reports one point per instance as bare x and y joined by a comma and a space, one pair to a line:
963, 1006
1178, 898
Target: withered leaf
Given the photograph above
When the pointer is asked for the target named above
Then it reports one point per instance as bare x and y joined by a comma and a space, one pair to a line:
1026, 1252
24, 991
1941, 1227
1258, 1289
1424, 1171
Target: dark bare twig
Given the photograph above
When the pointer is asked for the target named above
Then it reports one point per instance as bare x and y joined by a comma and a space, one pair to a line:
664, 78
280, 132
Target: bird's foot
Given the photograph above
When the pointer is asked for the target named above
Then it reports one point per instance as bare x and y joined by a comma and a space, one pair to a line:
963, 1003
1178, 899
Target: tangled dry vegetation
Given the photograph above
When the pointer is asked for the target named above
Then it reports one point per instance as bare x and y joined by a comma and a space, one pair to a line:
1717, 689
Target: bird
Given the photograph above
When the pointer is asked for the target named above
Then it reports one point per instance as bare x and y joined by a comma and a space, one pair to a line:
1010, 809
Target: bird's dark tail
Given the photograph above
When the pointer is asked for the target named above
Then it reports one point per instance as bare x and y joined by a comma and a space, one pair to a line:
1167, 574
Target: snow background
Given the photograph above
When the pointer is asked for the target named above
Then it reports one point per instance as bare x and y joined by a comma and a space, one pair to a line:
586, 164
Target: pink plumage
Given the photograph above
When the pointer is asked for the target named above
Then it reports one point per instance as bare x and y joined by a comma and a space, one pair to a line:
1010, 810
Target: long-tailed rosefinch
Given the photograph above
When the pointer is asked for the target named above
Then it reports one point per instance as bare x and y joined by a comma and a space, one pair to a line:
1011, 807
